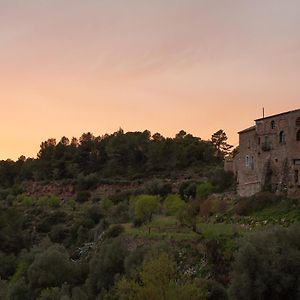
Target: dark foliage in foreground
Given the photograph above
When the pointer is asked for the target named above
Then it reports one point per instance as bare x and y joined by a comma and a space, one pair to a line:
267, 266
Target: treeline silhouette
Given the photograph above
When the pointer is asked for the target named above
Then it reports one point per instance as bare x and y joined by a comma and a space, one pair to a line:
119, 155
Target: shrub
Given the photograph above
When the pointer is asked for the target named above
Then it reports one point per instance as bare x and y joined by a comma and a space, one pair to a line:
158, 279
144, 206
58, 233
204, 190
158, 187
215, 291
114, 231
53, 218
119, 213
135, 259
222, 180
83, 196
50, 294
187, 216
187, 190
267, 265
87, 182
52, 201
246, 206
8, 263
19, 291
25, 200
206, 208
172, 204
106, 265
95, 213
51, 268
3, 289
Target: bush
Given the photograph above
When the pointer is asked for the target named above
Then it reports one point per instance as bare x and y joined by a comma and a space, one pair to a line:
95, 213
158, 279
8, 263
204, 190
158, 187
135, 258
51, 268
222, 180
215, 291
19, 291
119, 213
87, 182
53, 218
114, 231
52, 201
246, 206
50, 294
58, 233
25, 200
267, 266
172, 204
106, 265
144, 206
3, 289
187, 190
83, 196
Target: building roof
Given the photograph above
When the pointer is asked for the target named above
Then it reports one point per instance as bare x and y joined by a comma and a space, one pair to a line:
247, 129
277, 115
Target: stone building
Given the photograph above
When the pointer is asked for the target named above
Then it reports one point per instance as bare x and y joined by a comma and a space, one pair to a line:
269, 155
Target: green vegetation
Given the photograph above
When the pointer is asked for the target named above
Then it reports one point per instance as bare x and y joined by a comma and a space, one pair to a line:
267, 265
90, 160
129, 216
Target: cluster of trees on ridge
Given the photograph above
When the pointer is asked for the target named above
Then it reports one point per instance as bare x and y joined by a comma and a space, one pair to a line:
124, 155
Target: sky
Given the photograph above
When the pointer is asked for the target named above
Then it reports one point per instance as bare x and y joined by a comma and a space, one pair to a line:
73, 66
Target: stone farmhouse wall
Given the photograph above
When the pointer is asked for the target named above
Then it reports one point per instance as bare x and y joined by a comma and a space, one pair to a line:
269, 156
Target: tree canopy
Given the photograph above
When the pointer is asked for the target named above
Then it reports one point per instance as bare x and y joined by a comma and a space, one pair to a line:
127, 155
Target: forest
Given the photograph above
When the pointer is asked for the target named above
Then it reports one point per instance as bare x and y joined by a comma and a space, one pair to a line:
135, 216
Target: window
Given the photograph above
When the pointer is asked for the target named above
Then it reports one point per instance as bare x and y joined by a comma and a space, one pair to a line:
282, 137
297, 162
296, 176
247, 161
273, 124
249, 144
266, 139
252, 163
298, 121
298, 135
258, 141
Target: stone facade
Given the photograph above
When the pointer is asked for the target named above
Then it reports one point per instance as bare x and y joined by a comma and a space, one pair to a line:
269, 156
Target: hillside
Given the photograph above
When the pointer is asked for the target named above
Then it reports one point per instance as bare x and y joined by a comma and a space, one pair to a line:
161, 228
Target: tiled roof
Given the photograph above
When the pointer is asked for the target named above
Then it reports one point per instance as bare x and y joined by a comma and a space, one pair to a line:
247, 129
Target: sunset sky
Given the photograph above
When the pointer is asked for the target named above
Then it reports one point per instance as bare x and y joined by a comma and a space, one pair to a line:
72, 66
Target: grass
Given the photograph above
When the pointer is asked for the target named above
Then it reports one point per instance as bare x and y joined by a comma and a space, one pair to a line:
163, 227
278, 211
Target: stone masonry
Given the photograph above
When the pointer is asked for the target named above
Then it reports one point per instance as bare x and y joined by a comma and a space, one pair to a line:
269, 156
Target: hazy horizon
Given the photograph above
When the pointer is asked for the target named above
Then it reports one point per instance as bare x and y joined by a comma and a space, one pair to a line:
69, 67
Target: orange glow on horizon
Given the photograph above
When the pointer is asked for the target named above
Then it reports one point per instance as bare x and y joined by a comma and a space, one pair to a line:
69, 67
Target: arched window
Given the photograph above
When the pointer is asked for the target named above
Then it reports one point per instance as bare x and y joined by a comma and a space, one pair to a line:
247, 161
272, 124
298, 121
282, 137
298, 135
